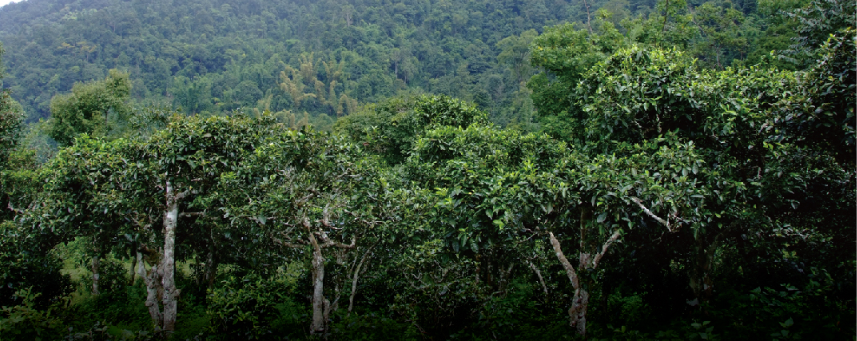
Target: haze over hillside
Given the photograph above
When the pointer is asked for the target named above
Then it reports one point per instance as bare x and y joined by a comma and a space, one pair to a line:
6, 2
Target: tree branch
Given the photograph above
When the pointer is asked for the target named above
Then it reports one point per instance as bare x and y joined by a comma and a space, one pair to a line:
13, 209
649, 213
539, 275
329, 243
356, 277
604, 248
181, 195
286, 244
588, 25
569, 269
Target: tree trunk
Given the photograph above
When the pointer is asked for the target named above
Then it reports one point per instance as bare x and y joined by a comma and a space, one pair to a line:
133, 271
318, 321
700, 274
355, 278
171, 294
541, 279
210, 265
95, 265
141, 267
580, 301
577, 312
700, 280
154, 292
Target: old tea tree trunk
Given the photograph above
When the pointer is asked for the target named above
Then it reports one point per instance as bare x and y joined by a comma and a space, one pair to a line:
160, 282
320, 305
580, 300
318, 240
171, 293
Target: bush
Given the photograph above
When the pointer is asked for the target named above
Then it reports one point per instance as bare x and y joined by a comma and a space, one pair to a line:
25, 322
252, 307
24, 266
112, 276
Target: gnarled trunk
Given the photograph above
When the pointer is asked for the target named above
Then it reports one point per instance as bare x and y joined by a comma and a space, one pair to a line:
579, 306
539, 276
580, 301
154, 292
701, 281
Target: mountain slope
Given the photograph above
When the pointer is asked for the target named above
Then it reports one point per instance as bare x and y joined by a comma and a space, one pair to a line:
220, 55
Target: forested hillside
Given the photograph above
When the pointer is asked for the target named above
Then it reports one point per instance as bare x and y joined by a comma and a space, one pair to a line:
218, 56
428, 170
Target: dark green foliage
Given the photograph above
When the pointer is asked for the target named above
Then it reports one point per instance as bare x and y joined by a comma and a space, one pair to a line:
391, 129
28, 264
823, 109
28, 321
215, 57
373, 326
818, 20
96, 108
255, 307
110, 311
11, 120
685, 185
16, 164
112, 275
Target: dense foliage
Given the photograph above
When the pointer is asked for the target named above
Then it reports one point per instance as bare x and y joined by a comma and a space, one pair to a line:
645, 171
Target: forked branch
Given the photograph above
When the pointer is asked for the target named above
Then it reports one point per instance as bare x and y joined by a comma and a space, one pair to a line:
569, 269
604, 249
649, 213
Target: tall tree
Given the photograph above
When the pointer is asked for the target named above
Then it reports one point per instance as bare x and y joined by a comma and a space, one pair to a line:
313, 196
97, 108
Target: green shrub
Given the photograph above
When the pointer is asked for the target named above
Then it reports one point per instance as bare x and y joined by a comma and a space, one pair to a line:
24, 266
252, 307
25, 322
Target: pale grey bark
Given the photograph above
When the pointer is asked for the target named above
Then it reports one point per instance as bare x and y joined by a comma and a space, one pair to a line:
580, 300
95, 265
650, 214
133, 271
171, 293
539, 276
318, 321
153, 295
141, 267
355, 278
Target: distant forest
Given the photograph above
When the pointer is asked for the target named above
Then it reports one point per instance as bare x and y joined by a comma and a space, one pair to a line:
217, 56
